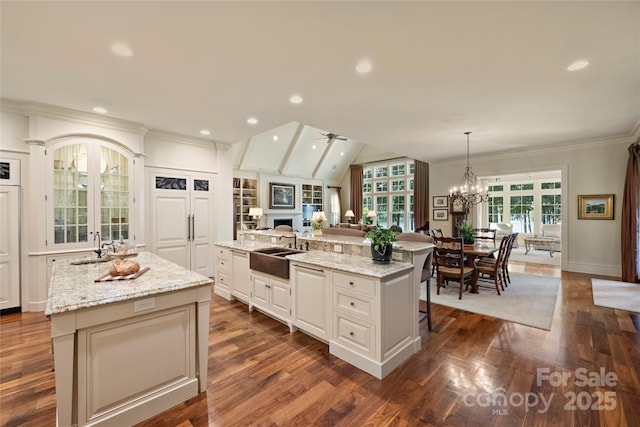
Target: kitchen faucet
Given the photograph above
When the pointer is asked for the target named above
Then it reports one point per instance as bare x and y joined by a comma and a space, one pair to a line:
99, 250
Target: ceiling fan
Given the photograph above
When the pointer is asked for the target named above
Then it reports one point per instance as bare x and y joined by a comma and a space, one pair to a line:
332, 136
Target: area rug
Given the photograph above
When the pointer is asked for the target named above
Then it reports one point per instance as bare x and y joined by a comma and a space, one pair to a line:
535, 256
618, 295
529, 300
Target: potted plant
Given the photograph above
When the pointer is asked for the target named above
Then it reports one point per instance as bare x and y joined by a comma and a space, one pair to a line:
466, 231
382, 244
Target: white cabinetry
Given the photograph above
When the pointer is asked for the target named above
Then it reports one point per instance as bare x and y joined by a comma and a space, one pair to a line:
312, 300
272, 296
181, 216
240, 270
372, 321
9, 247
224, 277
90, 191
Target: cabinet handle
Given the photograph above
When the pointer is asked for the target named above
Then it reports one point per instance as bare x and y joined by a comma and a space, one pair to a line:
309, 268
193, 227
351, 333
352, 304
351, 283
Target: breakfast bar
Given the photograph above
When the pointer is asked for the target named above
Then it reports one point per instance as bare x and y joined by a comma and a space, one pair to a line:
126, 350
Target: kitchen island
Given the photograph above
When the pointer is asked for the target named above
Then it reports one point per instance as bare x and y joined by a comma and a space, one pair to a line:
127, 350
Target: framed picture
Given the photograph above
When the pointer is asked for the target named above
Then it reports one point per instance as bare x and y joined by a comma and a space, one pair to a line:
440, 201
440, 215
282, 196
595, 206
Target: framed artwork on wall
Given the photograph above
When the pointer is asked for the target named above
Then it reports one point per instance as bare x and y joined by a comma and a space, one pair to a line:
440, 214
595, 206
440, 201
282, 196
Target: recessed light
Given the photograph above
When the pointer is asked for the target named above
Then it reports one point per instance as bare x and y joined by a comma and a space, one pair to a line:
313, 146
252, 120
100, 110
342, 153
275, 137
121, 49
205, 132
364, 67
578, 65
295, 99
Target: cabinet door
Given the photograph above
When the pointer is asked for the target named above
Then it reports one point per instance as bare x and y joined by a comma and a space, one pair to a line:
9, 247
280, 302
241, 285
202, 228
170, 223
260, 291
311, 294
89, 192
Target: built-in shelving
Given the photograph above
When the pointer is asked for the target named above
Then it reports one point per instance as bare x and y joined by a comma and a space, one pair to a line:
245, 196
312, 200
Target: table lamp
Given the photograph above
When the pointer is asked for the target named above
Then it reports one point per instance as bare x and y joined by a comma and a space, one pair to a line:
349, 215
372, 216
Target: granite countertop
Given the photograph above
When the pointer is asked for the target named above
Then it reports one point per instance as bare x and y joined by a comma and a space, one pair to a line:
351, 263
72, 287
248, 245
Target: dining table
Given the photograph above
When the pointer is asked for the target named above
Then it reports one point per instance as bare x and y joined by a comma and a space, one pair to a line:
479, 249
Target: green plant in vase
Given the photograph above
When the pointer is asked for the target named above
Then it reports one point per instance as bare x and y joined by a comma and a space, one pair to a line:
466, 231
382, 243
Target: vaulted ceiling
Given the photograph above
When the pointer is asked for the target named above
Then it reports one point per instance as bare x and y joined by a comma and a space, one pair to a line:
498, 69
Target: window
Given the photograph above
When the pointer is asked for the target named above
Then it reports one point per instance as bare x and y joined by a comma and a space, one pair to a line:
381, 172
495, 188
381, 186
521, 215
551, 211
397, 185
397, 210
397, 170
521, 187
550, 185
496, 209
392, 185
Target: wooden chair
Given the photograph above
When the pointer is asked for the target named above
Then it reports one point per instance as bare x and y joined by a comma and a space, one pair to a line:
493, 270
505, 265
282, 227
485, 234
450, 263
436, 232
426, 269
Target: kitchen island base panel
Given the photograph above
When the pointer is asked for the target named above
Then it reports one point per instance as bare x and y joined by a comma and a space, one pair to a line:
82, 338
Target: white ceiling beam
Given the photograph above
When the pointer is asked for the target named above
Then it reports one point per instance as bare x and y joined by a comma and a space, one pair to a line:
292, 144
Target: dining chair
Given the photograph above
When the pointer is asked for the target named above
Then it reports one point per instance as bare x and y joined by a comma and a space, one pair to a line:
505, 265
492, 270
437, 232
485, 234
425, 275
450, 263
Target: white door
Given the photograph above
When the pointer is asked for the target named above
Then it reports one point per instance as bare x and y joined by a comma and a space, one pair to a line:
9, 247
171, 228
202, 233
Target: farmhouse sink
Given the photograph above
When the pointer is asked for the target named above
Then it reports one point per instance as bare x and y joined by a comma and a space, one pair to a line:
271, 261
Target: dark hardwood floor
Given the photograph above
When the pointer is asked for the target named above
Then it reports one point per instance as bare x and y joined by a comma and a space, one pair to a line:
260, 374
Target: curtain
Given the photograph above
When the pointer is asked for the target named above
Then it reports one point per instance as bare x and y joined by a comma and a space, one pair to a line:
421, 195
356, 190
630, 217
334, 206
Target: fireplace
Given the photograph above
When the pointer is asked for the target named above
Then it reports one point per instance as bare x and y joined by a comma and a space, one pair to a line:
282, 221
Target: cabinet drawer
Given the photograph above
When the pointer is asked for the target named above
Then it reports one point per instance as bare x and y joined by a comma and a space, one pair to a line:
358, 335
354, 305
223, 279
354, 283
223, 264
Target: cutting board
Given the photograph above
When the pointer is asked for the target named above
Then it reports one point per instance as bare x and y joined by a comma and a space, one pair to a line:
109, 278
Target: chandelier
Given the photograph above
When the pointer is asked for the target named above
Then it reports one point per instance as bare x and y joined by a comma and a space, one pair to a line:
470, 192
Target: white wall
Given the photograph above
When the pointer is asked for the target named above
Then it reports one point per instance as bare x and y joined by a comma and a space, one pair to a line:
589, 246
